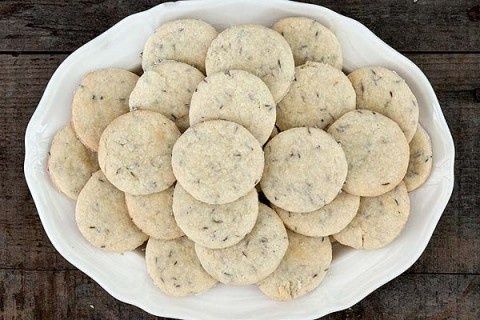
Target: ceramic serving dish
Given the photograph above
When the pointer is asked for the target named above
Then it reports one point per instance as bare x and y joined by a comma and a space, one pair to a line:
353, 274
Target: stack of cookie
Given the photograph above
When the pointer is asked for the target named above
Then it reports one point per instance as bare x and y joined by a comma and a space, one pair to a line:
181, 160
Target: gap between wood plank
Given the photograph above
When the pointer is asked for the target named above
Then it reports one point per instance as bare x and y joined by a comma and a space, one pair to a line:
406, 272
36, 52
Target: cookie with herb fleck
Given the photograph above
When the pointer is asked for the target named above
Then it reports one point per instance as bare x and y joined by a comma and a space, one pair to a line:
379, 220
319, 95
70, 163
310, 41
101, 97
135, 152
256, 49
376, 150
153, 214
302, 269
102, 217
304, 169
184, 40
167, 87
238, 96
384, 91
330, 219
215, 226
420, 164
217, 161
174, 267
252, 259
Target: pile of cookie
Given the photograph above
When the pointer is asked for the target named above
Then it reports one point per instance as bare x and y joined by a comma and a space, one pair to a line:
247, 175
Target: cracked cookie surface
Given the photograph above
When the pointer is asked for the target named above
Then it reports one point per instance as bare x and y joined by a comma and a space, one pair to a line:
376, 150
302, 269
384, 91
253, 258
379, 220
304, 169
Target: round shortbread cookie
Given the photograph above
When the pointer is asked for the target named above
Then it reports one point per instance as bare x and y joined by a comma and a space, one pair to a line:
319, 95
215, 226
256, 49
274, 132
70, 163
325, 221
379, 220
101, 97
174, 267
184, 40
153, 214
253, 258
384, 91
302, 269
217, 161
376, 150
236, 96
310, 41
102, 217
304, 169
135, 152
420, 164
167, 88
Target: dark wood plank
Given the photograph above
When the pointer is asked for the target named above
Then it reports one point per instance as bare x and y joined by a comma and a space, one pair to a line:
450, 72
424, 25
409, 296
454, 247
27, 259
59, 295
23, 243
455, 244
72, 295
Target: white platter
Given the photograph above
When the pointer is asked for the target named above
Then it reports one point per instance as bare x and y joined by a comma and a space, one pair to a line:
353, 274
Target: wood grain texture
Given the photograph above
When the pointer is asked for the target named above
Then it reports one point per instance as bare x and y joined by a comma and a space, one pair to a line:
28, 257
72, 295
424, 25
440, 36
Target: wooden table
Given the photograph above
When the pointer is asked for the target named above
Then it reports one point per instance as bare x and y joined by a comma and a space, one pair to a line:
440, 36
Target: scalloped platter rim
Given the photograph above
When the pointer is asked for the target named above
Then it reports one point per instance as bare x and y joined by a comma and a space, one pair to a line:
353, 274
